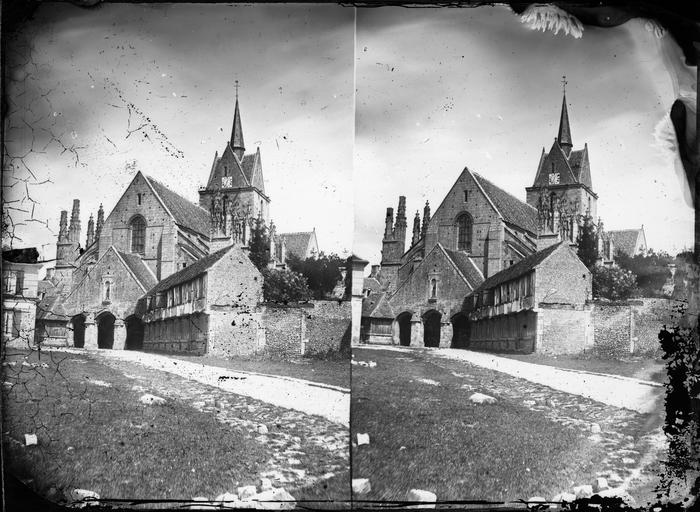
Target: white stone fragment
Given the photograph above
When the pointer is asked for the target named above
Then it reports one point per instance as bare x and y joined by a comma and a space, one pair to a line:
149, 399
564, 497
84, 497
429, 381
100, 383
265, 484
618, 492
600, 484
247, 491
361, 485
595, 428
536, 500
480, 398
427, 497
226, 499
30, 440
583, 491
262, 429
362, 439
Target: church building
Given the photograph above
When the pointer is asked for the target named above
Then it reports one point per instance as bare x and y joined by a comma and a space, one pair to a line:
483, 242
153, 273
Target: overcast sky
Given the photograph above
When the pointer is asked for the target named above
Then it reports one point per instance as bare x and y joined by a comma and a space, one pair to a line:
441, 89
176, 66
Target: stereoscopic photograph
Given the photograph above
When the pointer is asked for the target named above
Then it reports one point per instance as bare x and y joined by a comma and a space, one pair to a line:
325, 256
527, 229
177, 228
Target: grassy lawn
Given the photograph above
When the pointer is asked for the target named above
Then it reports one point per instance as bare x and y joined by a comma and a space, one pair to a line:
431, 437
334, 372
99, 437
637, 367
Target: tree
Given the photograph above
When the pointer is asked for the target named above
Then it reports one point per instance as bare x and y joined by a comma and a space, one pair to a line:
284, 286
587, 241
613, 283
259, 244
651, 270
321, 272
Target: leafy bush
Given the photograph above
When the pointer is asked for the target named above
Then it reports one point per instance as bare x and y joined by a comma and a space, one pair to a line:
613, 283
322, 272
651, 270
284, 286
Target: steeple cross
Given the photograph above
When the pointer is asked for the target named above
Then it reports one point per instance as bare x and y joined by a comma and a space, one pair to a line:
236, 86
563, 83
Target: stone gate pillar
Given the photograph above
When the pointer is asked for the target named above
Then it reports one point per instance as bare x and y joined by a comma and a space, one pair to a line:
417, 332
445, 335
90, 332
119, 334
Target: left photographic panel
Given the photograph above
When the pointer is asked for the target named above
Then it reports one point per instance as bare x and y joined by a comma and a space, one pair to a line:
176, 232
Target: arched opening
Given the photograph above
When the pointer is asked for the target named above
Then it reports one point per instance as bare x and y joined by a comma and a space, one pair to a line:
138, 235
134, 333
431, 328
460, 331
78, 325
105, 330
404, 320
464, 225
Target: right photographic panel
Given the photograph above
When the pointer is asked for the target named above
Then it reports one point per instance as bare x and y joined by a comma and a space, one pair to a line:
526, 229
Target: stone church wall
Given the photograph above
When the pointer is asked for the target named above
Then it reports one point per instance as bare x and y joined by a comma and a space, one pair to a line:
324, 325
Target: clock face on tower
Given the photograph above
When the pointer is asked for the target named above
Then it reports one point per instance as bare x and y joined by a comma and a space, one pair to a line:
554, 178
226, 181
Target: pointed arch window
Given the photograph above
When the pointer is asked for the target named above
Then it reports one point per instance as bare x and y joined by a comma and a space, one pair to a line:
138, 235
464, 225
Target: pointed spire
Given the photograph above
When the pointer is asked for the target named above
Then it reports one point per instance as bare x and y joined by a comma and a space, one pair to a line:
100, 222
416, 229
63, 227
90, 232
237, 143
426, 219
74, 227
564, 134
388, 223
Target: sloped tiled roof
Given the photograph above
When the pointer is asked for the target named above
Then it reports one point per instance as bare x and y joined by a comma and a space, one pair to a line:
252, 169
371, 284
467, 267
186, 213
143, 275
625, 240
376, 305
296, 243
190, 272
519, 269
50, 308
514, 210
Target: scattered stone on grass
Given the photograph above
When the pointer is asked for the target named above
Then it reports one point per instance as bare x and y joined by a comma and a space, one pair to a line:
480, 398
583, 491
265, 484
100, 383
262, 430
427, 497
247, 491
30, 440
628, 461
149, 399
529, 403
362, 439
293, 462
84, 497
618, 492
600, 484
564, 497
595, 428
429, 381
361, 485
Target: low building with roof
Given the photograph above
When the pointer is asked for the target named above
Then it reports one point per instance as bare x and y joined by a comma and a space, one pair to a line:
539, 304
211, 306
629, 242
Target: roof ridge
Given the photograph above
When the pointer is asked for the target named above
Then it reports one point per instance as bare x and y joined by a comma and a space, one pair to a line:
505, 191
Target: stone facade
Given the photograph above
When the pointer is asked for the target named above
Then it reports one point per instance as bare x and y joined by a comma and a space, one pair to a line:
202, 308
315, 328
19, 300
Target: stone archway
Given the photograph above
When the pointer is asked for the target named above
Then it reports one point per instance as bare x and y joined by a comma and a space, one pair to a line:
134, 333
460, 331
404, 321
105, 330
78, 326
431, 328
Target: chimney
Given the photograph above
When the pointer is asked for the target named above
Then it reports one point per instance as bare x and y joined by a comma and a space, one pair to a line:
374, 271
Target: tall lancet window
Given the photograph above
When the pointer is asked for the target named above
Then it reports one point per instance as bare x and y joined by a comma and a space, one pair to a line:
464, 232
138, 235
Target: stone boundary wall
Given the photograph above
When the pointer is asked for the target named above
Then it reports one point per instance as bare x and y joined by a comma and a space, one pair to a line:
562, 329
632, 327
324, 325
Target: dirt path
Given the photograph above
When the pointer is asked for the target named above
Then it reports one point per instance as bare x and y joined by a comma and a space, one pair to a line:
330, 402
624, 392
